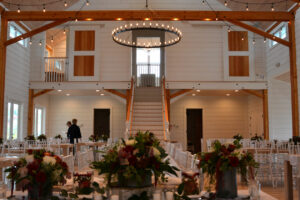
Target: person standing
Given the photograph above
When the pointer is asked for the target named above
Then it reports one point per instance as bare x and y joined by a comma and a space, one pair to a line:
68, 125
75, 131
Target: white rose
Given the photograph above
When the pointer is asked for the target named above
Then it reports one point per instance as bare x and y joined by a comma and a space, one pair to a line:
49, 160
156, 152
29, 158
130, 142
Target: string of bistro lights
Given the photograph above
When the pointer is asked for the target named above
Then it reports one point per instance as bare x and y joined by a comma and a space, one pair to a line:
44, 5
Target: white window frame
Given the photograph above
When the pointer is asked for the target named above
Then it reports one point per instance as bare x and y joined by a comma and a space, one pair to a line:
278, 30
43, 120
18, 29
20, 119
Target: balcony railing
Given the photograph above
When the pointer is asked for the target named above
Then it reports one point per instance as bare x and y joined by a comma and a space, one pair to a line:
56, 69
148, 75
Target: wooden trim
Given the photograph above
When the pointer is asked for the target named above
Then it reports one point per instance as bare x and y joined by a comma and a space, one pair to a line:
42, 93
273, 27
266, 114
35, 31
167, 102
22, 26
294, 78
181, 92
3, 37
295, 8
260, 32
252, 92
115, 92
30, 112
158, 15
129, 102
288, 180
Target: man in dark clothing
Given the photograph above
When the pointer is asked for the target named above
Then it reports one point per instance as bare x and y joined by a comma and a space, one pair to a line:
74, 132
69, 125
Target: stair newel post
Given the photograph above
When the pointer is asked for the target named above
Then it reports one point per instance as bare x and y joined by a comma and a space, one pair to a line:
165, 111
129, 109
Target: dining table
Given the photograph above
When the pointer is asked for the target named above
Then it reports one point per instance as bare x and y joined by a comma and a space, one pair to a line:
6, 161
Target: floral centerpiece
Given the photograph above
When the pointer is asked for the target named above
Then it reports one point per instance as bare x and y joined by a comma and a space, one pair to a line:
42, 137
38, 172
94, 138
132, 163
84, 181
256, 138
59, 137
295, 140
189, 186
29, 137
221, 165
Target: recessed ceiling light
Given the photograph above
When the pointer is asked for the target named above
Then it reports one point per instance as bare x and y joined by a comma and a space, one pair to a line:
198, 90
236, 90
228, 95
175, 19
102, 94
193, 95
68, 94
59, 90
97, 90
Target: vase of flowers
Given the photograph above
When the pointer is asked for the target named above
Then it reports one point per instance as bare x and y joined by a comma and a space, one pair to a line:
94, 138
38, 172
222, 164
132, 163
83, 182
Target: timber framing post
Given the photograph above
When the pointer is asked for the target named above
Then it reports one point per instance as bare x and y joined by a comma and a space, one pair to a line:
293, 77
266, 114
30, 112
3, 39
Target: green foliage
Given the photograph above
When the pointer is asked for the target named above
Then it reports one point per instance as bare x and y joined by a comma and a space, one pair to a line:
135, 159
58, 137
42, 137
142, 196
226, 157
256, 138
29, 137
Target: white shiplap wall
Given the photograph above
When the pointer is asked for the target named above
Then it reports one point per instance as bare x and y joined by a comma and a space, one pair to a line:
62, 109
44, 102
16, 81
280, 114
37, 58
223, 117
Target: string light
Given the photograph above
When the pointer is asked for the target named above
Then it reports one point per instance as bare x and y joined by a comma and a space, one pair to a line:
225, 3
272, 7
40, 43
19, 9
30, 41
243, 38
228, 29
203, 2
247, 7
76, 20
253, 42
65, 4
87, 2
52, 39
64, 31
44, 8
265, 40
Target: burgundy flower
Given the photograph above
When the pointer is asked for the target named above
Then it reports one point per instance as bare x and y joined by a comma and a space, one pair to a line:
33, 167
132, 160
84, 184
207, 157
231, 148
40, 177
224, 150
234, 161
29, 151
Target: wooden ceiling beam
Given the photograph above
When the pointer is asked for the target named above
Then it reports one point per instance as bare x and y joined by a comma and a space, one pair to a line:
137, 15
252, 92
115, 92
22, 26
260, 32
294, 9
35, 31
42, 93
273, 27
181, 92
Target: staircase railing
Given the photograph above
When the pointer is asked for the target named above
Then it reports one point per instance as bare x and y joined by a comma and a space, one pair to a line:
56, 69
165, 109
129, 108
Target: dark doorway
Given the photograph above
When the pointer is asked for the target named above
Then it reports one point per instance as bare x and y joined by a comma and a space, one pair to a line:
194, 129
102, 122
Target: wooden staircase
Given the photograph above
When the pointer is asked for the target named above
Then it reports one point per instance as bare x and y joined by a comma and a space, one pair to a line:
147, 111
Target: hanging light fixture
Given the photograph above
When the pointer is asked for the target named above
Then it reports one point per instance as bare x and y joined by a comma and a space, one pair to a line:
123, 34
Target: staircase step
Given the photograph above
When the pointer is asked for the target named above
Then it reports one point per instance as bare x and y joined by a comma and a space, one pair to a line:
145, 127
147, 103
147, 119
147, 107
147, 114
147, 111
146, 123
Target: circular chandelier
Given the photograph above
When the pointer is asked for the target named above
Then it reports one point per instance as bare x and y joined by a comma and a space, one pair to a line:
123, 35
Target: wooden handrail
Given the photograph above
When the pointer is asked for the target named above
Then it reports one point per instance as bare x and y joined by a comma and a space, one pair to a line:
166, 101
129, 100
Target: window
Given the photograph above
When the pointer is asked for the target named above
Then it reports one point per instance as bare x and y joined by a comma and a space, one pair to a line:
148, 61
280, 33
13, 130
14, 31
39, 121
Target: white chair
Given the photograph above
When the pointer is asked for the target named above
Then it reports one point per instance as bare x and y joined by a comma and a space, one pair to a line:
14, 148
70, 162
